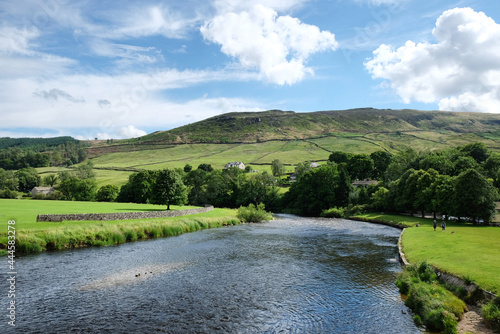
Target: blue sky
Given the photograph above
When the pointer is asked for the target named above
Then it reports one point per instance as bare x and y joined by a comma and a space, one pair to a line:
111, 69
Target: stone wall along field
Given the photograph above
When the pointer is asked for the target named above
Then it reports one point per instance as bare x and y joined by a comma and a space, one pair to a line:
121, 215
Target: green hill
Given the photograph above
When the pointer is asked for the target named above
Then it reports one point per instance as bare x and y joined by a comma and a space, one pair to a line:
251, 127
257, 138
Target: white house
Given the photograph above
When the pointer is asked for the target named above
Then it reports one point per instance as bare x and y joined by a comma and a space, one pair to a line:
239, 165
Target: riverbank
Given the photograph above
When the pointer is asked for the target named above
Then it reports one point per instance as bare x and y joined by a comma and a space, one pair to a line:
461, 253
34, 237
464, 250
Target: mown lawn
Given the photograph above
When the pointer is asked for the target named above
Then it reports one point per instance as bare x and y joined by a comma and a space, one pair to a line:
465, 250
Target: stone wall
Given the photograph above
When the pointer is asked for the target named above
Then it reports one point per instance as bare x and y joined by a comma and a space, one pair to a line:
121, 215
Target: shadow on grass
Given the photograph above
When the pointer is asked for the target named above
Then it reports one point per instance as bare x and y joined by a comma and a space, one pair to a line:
144, 210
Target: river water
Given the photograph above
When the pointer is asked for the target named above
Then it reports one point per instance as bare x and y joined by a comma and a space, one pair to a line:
292, 275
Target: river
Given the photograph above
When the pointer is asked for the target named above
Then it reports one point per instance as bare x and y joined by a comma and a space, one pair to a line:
292, 275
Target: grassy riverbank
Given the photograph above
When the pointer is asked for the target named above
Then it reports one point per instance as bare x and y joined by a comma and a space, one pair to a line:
32, 236
464, 250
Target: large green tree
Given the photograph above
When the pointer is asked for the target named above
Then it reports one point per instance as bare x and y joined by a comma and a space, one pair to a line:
315, 191
107, 193
138, 189
168, 189
28, 179
75, 189
360, 166
474, 196
381, 160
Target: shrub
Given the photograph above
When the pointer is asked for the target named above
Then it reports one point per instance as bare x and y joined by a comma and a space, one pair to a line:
253, 214
491, 313
7, 193
436, 307
333, 213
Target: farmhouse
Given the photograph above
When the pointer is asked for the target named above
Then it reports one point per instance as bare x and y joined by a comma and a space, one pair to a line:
239, 165
42, 190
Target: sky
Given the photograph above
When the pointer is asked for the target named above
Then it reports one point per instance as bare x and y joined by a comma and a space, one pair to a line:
121, 69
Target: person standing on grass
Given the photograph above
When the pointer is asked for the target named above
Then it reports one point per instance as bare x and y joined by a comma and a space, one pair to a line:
443, 225
434, 224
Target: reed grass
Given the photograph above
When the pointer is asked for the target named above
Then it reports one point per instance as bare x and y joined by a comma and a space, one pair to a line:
106, 235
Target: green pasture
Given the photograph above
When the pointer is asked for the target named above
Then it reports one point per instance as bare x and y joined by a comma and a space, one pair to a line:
354, 144
465, 250
32, 237
25, 211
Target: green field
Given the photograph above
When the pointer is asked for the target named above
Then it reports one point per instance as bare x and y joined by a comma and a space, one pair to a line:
470, 252
25, 211
32, 236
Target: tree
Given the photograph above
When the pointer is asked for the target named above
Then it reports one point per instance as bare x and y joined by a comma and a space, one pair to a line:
28, 179
314, 192
50, 180
8, 180
168, 189
85, 171
196, 181
437, 161
302, 168
188, 168
277, 168
474, 196
464, 163
381, 160
340, 157
360, 166
138, 189
478, 151
492, 168
206, 167
107, 193
424, 195
442, 194
381, 199
401, 162
75, 189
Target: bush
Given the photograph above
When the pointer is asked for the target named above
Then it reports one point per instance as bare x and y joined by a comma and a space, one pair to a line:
7, 193
334, 213
437, 308
253, 214
491, 313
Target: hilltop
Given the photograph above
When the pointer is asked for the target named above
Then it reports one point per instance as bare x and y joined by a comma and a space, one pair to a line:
252, 127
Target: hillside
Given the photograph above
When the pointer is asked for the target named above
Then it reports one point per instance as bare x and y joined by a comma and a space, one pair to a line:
287, 125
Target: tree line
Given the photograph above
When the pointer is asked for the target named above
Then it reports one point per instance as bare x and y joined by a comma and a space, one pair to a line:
65, 154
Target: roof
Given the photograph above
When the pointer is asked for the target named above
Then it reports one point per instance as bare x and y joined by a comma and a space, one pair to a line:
235, 164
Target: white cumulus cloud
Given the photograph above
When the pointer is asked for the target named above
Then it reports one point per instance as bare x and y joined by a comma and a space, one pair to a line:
130, 131
461, 71
277, 46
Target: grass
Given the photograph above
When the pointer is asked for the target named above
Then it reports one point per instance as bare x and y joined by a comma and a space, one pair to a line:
470, 252
36, 237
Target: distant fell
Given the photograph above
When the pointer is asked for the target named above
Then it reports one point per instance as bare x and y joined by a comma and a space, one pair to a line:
253, 127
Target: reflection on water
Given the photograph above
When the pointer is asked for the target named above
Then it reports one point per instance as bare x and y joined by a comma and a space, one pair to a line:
292, 275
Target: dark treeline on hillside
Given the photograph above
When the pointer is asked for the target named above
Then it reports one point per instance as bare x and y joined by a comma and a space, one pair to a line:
37, 144
40, 155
